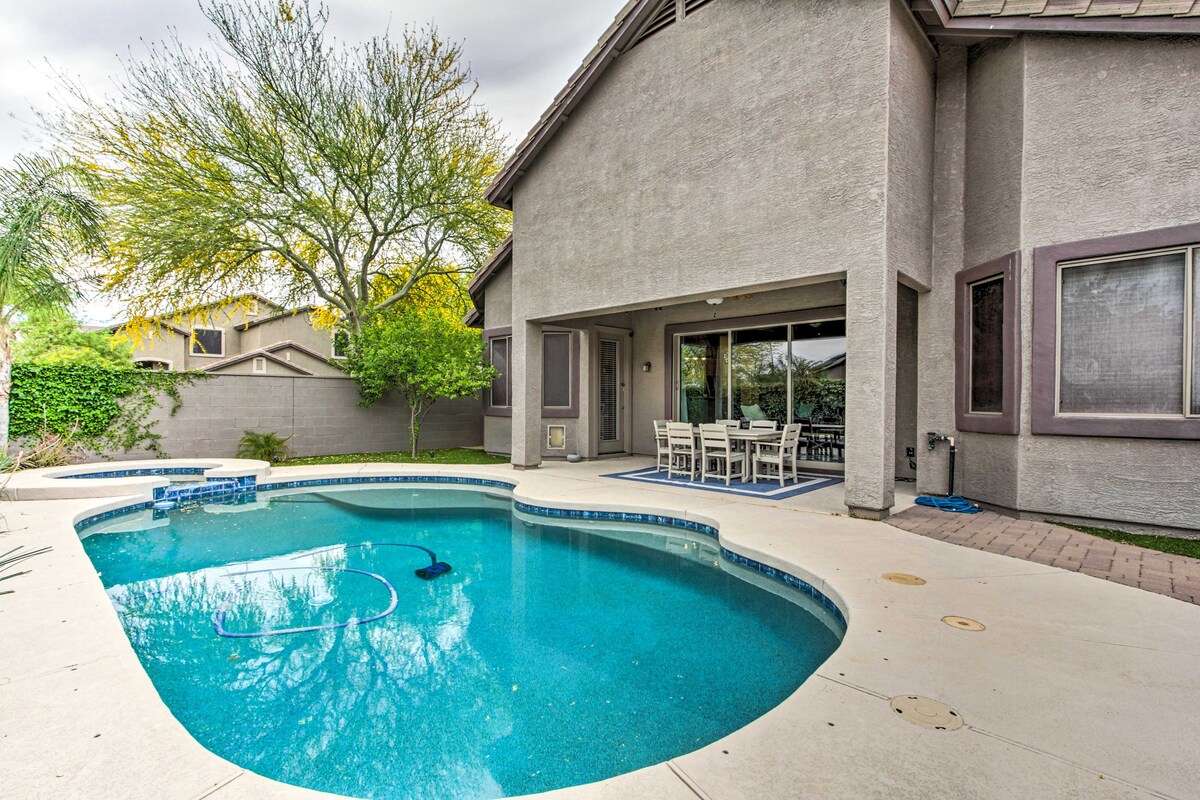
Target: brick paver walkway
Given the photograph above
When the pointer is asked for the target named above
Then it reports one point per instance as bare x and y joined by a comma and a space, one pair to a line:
1041, 542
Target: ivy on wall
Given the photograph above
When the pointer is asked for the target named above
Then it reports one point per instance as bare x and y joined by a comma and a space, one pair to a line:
100, 409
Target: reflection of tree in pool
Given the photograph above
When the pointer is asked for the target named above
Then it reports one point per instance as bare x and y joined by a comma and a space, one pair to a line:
327, 697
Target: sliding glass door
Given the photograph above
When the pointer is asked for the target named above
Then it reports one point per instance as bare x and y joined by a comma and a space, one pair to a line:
785, 373
759, 374
703, 377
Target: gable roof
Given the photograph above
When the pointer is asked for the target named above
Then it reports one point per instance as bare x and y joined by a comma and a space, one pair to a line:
620, 36
283, 314
268, 353
1076, 8
969, 19
160, 323
499, 260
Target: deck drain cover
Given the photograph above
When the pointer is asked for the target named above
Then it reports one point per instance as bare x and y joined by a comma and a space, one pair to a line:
904, 578
927, 713
964, 623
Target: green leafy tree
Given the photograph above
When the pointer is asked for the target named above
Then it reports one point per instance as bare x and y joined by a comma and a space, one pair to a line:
53, 336
282, 157
425, 355
47, 221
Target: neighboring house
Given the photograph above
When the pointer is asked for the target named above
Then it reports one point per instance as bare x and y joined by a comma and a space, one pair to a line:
244, 336
993, 205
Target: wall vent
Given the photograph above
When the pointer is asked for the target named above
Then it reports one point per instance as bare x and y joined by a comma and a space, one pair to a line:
663, 17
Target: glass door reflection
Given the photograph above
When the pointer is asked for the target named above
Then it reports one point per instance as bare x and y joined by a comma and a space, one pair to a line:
703, 365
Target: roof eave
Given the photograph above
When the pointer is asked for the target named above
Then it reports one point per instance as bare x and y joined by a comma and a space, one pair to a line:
614, 41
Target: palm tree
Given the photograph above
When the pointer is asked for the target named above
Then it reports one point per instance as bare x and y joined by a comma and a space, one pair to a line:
46, 222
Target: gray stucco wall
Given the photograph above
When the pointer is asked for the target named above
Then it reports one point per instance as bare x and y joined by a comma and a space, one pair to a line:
741, 146
321, 415
1112, 145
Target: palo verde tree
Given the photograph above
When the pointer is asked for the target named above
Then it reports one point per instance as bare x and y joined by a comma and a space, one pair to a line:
281, 158
47, 223
424, 354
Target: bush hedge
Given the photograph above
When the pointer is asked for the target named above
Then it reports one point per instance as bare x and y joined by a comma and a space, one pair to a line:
99, 408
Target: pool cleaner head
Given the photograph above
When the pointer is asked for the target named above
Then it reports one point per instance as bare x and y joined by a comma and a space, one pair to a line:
433, 570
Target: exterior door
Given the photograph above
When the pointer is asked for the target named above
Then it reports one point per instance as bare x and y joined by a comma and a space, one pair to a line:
611, 408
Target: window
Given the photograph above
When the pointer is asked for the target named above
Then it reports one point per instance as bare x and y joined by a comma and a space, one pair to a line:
787, 367
259, 366
341, 344
1123, 336
501, 394
986, 374
208, 341
987, 348
1115, 336
556, 370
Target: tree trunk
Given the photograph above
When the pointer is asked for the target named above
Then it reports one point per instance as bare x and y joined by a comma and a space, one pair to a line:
414, 427
5, 384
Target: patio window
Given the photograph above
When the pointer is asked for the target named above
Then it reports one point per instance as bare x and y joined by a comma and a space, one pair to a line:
782, 372
1127, 336
208, 342
1116, 336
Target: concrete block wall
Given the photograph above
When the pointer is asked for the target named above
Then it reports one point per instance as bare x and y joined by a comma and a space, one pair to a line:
320, 414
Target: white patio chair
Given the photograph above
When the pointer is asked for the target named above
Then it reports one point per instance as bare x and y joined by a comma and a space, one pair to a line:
730, 423
663, 459
681, 439
718, 450
764, 425
777, 457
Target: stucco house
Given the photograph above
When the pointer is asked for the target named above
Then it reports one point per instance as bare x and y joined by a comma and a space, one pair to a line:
990, 207
248, 335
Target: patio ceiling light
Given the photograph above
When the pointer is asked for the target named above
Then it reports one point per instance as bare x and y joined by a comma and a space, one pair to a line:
715, 301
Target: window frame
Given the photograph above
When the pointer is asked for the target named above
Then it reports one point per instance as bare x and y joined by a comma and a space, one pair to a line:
489, 407
572, 409
1007, 420
333, 354
254, 370
790, 319
1049, 262
192, 342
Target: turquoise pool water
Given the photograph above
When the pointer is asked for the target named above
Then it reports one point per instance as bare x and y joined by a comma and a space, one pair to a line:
549, 656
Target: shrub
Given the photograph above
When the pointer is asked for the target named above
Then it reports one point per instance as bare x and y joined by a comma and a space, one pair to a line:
263, 447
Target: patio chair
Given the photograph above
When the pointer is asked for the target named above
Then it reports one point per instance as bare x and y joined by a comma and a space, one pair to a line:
663, 446
730, 423
778, 457
764, 425
718, 450
681, 439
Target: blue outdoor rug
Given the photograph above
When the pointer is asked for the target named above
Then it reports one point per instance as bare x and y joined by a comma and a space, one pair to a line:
770, 490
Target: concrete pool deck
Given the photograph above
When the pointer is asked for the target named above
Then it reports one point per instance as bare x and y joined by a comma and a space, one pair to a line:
1077, 688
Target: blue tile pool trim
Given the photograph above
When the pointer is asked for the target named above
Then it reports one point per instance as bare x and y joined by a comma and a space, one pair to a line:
697, 527
790, 579
138, 473
617, 516
302, 484
541, 511
107, 515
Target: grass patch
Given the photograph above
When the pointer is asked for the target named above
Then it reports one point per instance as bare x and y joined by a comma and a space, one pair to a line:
1163, 544
451, 455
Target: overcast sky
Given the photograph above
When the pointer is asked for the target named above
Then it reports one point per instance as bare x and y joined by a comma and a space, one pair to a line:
520, 51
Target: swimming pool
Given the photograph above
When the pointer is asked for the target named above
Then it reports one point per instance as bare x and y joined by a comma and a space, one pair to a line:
556, 652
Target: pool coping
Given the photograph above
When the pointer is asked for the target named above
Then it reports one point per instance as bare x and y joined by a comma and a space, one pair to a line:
842, 558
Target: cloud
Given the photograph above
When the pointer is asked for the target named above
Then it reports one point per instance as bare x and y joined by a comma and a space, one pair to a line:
520, 51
